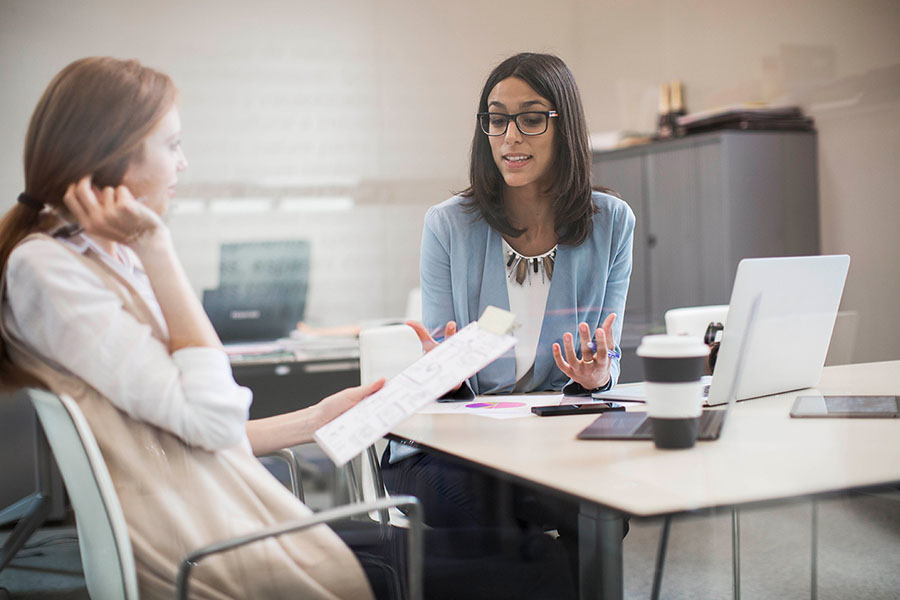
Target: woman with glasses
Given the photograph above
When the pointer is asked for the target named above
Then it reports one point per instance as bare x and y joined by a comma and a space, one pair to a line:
530, 235
94, 304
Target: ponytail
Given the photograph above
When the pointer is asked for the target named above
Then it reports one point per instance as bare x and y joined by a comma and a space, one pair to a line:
15, 226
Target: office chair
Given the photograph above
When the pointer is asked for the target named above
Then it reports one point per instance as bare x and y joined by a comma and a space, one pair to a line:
287, 458
383, 352
843, 338
695, 320
106, 553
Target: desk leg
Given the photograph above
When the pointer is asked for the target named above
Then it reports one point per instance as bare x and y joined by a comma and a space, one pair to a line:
599, 553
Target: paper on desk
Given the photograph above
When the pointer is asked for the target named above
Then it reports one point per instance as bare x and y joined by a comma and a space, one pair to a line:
427, 379
493, 407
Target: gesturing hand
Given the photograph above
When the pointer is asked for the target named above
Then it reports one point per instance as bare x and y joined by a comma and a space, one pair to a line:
428, 342
112, 213
592, 370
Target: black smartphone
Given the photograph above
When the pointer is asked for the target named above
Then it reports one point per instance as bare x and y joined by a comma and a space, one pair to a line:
556, 410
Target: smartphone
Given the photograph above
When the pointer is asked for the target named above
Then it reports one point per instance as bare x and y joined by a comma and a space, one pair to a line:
556, 410
846, 406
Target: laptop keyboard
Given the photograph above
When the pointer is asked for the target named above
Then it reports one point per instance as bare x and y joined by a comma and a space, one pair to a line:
645, 428
710, 424
708, 428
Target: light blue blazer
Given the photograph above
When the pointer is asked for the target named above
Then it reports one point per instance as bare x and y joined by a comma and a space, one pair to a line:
463, 272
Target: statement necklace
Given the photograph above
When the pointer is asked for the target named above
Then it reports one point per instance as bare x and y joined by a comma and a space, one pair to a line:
522, 266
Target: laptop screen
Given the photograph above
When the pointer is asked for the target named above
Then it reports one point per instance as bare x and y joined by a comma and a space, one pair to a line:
262, 290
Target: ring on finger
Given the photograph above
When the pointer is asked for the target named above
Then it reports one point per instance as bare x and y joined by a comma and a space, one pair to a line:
588, 362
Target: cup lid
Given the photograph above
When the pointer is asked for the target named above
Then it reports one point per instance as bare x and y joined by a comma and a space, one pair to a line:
672, 346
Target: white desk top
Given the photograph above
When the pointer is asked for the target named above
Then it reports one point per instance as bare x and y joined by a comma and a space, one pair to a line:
763, 454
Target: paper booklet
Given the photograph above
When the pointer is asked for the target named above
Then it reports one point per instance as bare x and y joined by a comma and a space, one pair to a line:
436, 373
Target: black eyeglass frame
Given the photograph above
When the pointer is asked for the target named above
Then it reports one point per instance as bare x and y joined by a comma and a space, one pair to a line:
550, 114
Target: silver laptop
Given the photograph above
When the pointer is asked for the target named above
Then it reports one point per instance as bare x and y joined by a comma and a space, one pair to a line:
800, 297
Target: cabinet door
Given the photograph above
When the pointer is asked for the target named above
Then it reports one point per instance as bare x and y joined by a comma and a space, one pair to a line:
716, 270
625, 175
673, 220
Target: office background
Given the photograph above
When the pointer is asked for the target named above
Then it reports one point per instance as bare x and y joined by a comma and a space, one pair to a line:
341, 122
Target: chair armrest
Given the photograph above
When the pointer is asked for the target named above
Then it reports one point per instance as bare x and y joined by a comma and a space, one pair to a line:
293, 463
414, 548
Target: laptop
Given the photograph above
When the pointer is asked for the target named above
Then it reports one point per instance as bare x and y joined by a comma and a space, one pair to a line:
263, 313
789, 305
262, 290
638, 426
800, 300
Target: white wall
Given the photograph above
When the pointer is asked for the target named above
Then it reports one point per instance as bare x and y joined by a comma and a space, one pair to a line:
374, 99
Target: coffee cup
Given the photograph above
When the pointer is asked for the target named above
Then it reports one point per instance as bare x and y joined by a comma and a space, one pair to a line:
673, 365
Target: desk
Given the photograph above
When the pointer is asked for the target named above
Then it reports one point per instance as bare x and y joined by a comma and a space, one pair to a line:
763, 455
284, 384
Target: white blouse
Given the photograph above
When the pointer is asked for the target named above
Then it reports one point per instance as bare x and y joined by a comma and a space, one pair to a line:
64, 313
527, 301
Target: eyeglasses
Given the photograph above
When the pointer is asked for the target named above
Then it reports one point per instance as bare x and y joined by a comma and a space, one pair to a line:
528, 123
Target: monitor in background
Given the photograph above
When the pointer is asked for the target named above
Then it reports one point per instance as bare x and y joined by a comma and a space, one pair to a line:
262, 290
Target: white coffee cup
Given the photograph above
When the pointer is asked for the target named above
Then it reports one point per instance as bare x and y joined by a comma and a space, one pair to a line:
673, 365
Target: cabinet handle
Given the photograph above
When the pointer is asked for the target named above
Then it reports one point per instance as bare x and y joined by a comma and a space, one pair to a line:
331, 367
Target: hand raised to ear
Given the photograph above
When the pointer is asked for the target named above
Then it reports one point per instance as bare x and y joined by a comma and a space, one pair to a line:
111, 213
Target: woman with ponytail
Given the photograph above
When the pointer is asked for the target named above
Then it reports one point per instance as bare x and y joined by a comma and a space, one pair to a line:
96, 306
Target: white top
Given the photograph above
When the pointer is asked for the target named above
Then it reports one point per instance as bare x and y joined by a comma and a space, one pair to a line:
62, 311
527, 301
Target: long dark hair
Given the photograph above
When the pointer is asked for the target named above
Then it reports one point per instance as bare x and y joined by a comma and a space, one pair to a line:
91, 120
571, 190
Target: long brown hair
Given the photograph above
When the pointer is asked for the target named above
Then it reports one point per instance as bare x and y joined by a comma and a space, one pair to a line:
91, 120
573, 208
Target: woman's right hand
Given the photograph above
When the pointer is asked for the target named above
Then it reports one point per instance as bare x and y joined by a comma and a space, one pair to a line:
112, 213
428, 342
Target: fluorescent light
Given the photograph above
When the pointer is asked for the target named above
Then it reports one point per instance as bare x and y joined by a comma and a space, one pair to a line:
303, 181
188, 206
233, 206
316, 204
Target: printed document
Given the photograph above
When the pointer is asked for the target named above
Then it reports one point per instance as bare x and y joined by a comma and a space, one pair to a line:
436, 373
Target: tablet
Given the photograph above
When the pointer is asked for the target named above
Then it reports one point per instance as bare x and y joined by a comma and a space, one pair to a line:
877, 407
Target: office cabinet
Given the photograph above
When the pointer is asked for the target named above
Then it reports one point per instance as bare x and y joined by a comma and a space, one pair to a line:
287, 385
703, 203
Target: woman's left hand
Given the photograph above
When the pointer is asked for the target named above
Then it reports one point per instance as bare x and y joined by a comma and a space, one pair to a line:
592, 370
336, 404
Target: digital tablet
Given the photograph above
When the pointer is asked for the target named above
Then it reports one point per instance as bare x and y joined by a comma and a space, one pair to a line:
875, 407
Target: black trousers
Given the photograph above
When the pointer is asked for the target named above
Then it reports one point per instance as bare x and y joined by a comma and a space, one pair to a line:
470, 563
455, 496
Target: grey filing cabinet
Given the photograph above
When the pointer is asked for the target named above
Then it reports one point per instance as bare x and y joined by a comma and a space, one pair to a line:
703, 203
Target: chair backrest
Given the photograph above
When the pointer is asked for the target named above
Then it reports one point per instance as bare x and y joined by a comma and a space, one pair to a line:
843, 338
106, 554
693, 320
414, 304
385, 351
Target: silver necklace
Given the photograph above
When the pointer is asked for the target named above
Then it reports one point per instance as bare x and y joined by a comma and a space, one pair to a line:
522, 267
